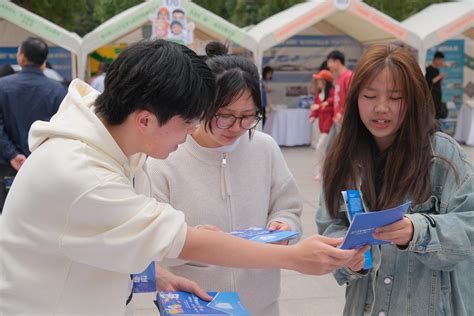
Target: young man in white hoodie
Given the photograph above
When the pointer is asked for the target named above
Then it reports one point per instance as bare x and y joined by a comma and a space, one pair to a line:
77, 223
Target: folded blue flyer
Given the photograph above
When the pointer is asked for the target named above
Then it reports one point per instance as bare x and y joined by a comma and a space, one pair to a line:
183, 303
363, 226
263, 235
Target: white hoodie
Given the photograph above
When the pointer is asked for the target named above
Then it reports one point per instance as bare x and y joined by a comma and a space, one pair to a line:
73, 227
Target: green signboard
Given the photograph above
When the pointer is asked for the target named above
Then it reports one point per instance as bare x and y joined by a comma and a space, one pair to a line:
132, 21
201, 16
30, 22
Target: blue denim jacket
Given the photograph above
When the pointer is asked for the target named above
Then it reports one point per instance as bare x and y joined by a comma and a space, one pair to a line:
434, 275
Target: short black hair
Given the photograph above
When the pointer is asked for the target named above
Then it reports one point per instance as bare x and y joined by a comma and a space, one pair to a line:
178, 11
266, 70
438, 55
234, 76
215, 48
337, 55
6, 70
35, 50
176, 22
165, 78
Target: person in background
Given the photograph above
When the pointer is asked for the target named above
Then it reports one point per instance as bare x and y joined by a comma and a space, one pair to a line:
267, 75
323, 109
25, 97
80, 219
6, 70
228, 176
388, 148
98, 82
336, 64
434, 78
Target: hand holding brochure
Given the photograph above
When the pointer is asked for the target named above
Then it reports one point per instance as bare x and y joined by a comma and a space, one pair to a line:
264, 235
183, 303
363, 226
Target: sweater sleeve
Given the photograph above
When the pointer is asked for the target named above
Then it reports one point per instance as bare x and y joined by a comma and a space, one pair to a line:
286, 203
113, 228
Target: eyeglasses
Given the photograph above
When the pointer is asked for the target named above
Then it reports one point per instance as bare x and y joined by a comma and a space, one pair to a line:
225, 121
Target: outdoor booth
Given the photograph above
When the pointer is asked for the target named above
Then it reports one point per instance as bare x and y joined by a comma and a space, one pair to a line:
449, 28
158, 19
296, 41
16, 24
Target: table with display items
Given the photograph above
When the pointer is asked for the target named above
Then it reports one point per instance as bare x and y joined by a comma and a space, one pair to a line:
288, 126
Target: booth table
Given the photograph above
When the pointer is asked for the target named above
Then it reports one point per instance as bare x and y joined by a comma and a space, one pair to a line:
465, 127
289, 126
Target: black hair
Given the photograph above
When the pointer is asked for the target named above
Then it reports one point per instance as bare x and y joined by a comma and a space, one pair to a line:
324, 66
438, 55
104, 66
337, 55
178, 11
176, 22
165, 78
35, 50
327, 89
234, 76
265, 71
215, 48
6, 70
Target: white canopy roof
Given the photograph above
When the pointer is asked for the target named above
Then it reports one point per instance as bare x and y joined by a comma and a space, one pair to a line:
134, 17
355, 18
442, 21
34, 24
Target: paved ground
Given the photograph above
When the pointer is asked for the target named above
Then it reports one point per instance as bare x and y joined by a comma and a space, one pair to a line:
301, 294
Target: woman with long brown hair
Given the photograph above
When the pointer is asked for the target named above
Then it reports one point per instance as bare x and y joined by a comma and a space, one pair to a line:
389, 150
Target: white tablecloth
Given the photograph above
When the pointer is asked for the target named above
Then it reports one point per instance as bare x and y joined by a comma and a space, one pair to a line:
464, 126
289, 127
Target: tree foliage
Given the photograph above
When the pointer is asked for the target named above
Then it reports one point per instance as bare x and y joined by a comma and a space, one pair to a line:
82, 16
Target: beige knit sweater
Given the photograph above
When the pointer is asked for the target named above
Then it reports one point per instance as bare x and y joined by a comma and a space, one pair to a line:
250, 186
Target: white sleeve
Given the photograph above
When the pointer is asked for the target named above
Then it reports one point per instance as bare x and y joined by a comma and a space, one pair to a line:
113, 228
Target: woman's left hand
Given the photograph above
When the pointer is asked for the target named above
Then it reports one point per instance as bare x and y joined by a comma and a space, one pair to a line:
279, 226
399, 233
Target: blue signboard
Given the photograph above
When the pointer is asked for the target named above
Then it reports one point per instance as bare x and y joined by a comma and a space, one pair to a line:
58, 57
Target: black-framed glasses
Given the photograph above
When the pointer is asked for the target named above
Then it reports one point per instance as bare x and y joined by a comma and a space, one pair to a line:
225, 121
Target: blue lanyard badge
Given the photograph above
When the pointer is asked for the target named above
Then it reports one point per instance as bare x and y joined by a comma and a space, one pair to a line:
354, 204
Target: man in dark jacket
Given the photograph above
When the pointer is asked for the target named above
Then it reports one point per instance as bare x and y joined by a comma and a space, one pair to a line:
434, 77
25, 97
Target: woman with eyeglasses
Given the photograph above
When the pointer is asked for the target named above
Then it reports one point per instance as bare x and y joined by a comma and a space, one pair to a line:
227, 176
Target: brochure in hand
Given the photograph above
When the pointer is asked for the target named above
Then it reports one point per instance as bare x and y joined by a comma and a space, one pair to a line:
183, 303
263, 235
363, 226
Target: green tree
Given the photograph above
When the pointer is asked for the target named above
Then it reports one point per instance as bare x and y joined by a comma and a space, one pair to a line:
401, 9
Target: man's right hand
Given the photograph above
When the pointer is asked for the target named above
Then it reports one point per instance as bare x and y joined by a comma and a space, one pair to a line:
318, 255
18, 161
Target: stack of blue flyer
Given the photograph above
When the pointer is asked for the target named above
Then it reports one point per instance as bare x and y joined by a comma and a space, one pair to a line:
183, 303
263, 235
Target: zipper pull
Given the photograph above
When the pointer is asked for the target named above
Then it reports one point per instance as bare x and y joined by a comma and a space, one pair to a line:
224, 160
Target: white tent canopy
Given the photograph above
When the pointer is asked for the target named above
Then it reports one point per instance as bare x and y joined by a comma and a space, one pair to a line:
34, 24
354, 18
130, 20
440, 22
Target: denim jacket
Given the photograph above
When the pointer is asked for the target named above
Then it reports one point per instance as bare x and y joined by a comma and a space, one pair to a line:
434, 275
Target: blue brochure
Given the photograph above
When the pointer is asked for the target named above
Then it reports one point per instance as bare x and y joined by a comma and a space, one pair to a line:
263, 235
364, 224
183, 303
145, 281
